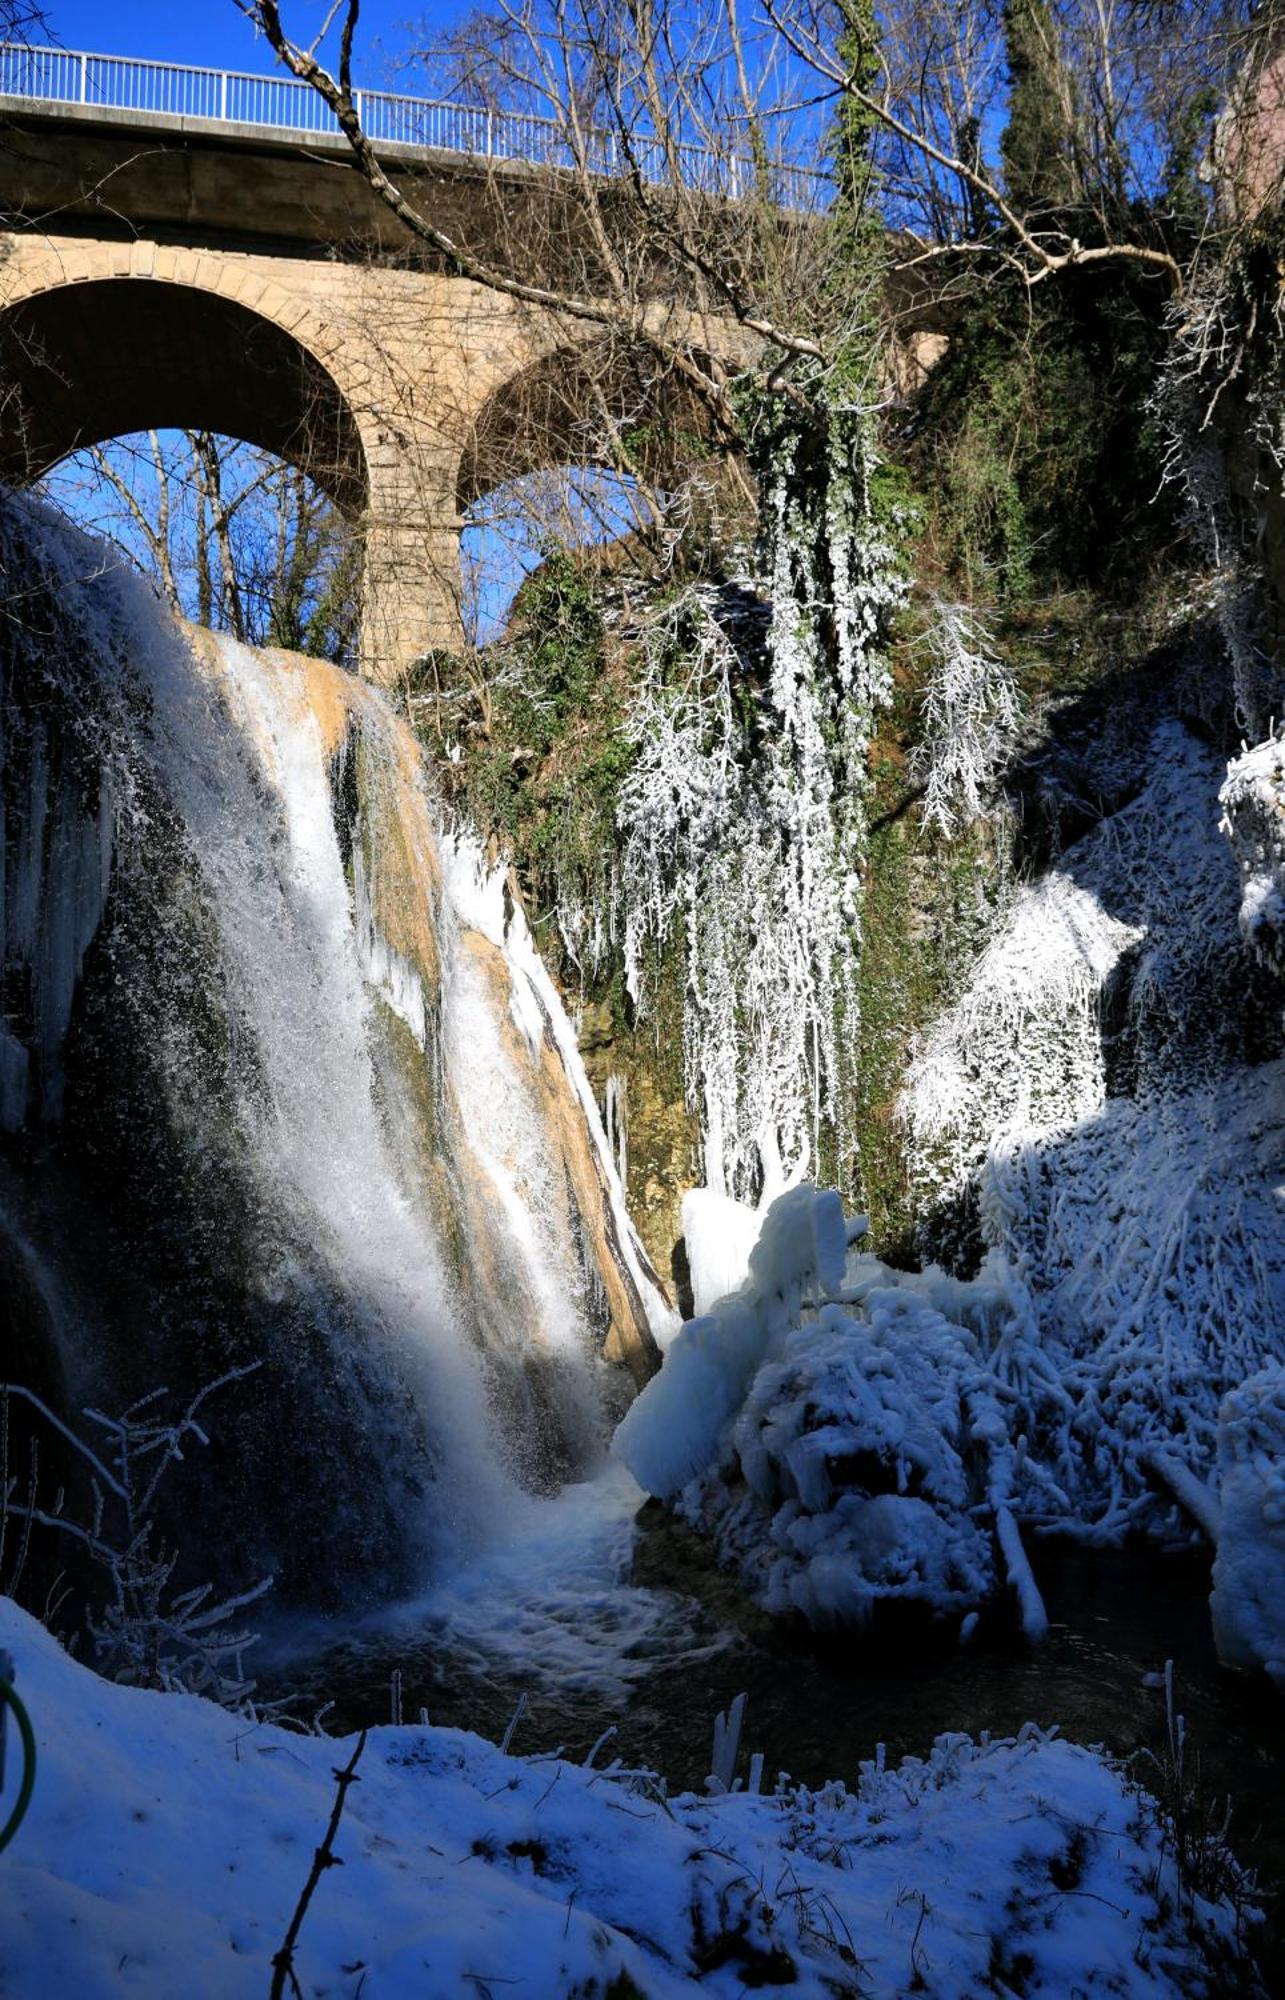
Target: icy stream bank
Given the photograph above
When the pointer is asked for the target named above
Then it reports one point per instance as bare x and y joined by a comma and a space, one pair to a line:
177, 1864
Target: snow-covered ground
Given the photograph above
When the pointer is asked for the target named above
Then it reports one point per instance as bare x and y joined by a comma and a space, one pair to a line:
168, 1842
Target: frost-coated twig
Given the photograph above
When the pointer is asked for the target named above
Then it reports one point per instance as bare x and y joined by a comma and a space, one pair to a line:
324, 1857
1199, 1500
1035, 1622
514, 1719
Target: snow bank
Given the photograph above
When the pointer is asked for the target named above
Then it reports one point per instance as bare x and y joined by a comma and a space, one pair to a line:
168, 1842
1248, 1602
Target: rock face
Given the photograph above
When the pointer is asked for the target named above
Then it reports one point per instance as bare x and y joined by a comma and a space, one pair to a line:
284, 1081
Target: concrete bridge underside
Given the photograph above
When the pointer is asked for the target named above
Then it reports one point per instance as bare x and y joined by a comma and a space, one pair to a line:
250, 287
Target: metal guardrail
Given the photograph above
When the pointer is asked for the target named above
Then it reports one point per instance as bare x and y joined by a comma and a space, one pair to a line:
288, 107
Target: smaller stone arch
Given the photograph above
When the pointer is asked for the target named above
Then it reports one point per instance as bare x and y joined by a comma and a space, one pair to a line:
558, 409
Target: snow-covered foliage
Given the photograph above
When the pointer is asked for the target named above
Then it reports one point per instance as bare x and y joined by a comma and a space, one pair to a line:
742, 820
1248, 1602
1152, 1237
166, 1848
1205, 380
971, 714
1253, 798
846, 1432
1120, 968
851, 1448
1092, 1088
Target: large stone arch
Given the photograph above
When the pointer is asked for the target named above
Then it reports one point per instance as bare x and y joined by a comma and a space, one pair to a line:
110, 339
91, 353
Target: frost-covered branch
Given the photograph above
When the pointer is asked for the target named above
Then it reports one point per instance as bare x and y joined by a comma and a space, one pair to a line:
145, 1633
971, 715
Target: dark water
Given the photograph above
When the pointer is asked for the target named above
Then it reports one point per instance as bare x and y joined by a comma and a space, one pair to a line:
818, 1706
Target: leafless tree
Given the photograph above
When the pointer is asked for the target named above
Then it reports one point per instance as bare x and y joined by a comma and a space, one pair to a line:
232, 536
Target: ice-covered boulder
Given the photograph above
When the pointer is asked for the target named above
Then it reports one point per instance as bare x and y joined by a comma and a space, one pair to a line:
1248, 1602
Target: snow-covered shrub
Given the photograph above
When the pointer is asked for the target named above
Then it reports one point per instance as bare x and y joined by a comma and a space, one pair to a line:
971, 714
1248, 1602
1253, 798
841, 1429
851, 1449
1153, 1240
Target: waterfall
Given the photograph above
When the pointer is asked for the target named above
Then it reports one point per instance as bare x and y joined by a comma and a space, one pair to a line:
282, 1079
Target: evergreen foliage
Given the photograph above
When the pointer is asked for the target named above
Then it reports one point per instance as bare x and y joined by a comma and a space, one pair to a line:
1037, 144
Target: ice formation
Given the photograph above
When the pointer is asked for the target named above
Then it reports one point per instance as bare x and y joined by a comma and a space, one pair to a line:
168, 1843
742, 821
1248, 1601
847, 1433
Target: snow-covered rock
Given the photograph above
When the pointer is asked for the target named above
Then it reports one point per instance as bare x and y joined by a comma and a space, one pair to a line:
168, 1842
1248, 1601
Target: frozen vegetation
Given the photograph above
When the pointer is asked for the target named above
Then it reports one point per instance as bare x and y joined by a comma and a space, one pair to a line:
852, 1435
1248, 1602
845, 1431
1254, 805
168, 1844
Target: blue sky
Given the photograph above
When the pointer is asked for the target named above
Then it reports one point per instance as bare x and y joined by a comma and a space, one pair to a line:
214, 32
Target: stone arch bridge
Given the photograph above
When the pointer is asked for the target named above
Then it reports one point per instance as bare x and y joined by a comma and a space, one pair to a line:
160, 268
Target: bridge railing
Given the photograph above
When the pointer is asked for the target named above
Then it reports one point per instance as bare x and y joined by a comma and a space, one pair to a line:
284, 105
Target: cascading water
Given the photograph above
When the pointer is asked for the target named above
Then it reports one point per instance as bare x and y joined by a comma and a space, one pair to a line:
281, 1079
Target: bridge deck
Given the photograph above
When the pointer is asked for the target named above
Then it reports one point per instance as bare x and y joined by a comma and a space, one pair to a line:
183, 97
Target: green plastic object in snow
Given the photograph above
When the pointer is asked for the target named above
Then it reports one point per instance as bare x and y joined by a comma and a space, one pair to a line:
9, 1700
